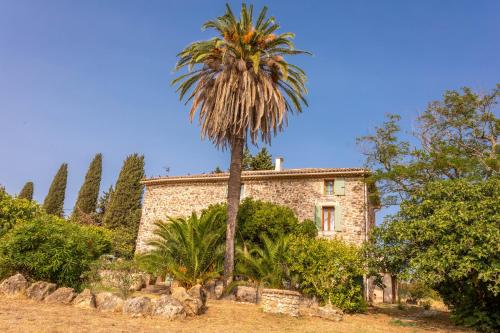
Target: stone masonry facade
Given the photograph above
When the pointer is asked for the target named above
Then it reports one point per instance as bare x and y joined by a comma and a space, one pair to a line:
303, 190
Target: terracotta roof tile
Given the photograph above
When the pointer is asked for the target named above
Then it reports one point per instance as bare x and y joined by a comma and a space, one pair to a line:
264, 174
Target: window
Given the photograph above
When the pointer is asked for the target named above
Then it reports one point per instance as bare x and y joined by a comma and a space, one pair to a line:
328, 219
242, 191
329, 187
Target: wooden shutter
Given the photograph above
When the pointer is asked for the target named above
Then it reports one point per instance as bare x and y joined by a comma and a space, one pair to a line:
317, 217
338, 218
339, 186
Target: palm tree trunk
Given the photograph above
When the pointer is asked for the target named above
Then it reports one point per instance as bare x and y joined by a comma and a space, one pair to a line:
233, 202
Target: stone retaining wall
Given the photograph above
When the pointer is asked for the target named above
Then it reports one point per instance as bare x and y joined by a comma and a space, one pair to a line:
281, 301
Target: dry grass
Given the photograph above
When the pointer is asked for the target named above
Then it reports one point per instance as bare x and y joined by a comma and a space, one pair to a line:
221, 316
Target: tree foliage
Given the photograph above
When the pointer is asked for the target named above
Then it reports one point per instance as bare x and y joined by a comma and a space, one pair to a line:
54, 201
86, 201
455, 138
261, 161
27, 191
123, 213
191, 250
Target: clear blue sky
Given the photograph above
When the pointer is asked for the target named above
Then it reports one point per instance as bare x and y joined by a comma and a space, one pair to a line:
81, 77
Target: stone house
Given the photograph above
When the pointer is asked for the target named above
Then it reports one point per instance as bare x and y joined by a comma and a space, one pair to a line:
336, 199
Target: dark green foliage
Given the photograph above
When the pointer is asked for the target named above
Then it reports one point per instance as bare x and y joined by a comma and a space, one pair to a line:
123, 213
448, 235
217, 170
261, 161
257, 218
330, 270
27, 191
14, 211
52, 249
267, 265
102, 205
306, 229
54, 201
191, 250
86, 202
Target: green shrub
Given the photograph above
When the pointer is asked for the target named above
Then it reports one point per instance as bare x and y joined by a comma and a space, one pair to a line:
14, 210
306, 229
331, 270
416, 291
50, 248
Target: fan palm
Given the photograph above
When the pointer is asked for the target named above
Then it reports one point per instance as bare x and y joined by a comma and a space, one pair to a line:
244, 90
190, 250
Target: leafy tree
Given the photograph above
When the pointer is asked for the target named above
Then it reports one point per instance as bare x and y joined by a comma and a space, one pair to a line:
217, 170
455, 138
86, 202
257, 218
190, 250
244, 90
123, 213
247, 159
54, 201
27, 191
448, 235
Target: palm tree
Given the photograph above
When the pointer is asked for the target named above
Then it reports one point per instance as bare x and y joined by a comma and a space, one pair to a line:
244, 90
267, 265
190, 250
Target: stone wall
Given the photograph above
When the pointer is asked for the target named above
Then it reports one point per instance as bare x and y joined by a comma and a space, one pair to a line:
302, 195
280, 301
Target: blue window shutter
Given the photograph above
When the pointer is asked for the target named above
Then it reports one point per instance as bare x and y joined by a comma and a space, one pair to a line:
339, 222
317, 216
339, 186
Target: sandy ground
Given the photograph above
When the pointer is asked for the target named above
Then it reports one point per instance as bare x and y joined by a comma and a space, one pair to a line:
222, 316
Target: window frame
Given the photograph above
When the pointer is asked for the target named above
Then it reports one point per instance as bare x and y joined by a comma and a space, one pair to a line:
325, 187
331, 218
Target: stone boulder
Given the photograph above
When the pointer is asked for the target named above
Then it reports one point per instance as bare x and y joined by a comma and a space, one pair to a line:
15, 286
245, 294
192, 305
62, 295
39, 290
198, 292
218, 290
106, 301
85, 300
329, 312
168, 307
138, 306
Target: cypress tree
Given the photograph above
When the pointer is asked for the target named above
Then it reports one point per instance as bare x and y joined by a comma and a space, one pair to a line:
27, 191
54, 201
262, 161
86, 202
102, 205
123, 212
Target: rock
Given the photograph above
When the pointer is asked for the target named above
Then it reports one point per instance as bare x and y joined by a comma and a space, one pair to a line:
329, 312
108, 302
218, 290
85, 300
14, 286
245, 294
168, 307
39, 290
192, 305
198, 292
137, 305
62, 295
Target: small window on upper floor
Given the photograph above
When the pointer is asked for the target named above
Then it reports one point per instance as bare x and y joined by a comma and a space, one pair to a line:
328, 187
